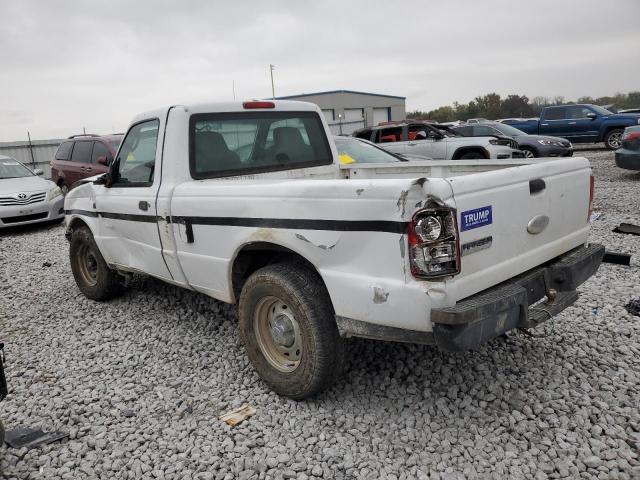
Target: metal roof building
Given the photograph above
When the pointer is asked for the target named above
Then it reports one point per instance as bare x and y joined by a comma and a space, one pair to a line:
349, 110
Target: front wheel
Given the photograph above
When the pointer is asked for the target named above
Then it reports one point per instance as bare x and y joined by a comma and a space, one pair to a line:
91, 273
289, 331
528, 152
613, 139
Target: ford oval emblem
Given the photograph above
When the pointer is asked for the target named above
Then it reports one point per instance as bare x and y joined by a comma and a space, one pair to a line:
537, 224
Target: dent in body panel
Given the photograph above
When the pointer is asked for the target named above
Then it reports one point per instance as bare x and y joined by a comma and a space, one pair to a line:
380, 295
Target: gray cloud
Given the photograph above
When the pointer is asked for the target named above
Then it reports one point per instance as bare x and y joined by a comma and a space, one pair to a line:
68, 65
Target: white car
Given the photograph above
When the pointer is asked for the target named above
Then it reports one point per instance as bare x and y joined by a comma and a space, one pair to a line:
438, 142
25, 197
249, 203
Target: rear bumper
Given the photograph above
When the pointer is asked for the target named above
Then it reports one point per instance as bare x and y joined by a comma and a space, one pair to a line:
488, 314
628, 159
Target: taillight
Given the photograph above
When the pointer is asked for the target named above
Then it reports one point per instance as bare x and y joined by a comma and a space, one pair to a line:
630, 136
257, 104
592, 194
434, 247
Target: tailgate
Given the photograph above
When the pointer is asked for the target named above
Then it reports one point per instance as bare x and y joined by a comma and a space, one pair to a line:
514, 219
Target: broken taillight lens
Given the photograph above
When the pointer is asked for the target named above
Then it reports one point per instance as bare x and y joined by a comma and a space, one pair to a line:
434, 246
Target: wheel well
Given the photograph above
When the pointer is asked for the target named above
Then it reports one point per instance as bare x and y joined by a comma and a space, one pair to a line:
60, 181
462, 150
77, 223
609, 129
529, 147
254, 256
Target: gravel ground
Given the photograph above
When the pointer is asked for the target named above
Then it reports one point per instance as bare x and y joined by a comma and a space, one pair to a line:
139, 382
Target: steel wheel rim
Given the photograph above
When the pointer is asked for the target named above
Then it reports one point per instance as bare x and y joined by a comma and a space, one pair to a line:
615, 140
278, 334
88, 266
528, 154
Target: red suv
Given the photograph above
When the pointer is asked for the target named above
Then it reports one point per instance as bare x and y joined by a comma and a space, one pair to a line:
83, 156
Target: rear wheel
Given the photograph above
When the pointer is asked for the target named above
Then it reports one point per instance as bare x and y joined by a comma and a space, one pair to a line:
528, 152
613, 139
288, 329
471, 156
91, 273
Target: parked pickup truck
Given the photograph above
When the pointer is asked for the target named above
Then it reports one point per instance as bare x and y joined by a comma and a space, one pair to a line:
248, 203
581, 124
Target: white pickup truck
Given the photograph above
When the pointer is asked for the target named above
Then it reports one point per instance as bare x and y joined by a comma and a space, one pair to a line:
251, 203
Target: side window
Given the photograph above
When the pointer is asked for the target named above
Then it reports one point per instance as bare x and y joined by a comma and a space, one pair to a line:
578, 113
64, 151
364, 134
559, 113
393, 134
483, 131
82, 152
417, 132
466, 131
100, 150
137, 157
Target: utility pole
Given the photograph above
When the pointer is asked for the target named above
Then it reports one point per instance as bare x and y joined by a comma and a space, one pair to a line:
273, 90
233, 87
33, 160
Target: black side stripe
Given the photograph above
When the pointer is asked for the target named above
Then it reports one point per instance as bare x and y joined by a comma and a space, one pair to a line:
282, 223
299, 224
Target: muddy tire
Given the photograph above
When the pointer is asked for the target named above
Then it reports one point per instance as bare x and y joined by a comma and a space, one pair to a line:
613, 139
288, 329
471, 156
93, 277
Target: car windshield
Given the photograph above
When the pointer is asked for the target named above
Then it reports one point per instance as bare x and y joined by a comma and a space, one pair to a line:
115, 143
600, 110
10, 168
507, 130
353, 150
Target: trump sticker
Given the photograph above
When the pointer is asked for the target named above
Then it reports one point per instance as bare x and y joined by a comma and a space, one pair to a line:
478, 217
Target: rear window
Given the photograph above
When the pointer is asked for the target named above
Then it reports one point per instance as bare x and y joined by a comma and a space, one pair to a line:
224, 144
63, 151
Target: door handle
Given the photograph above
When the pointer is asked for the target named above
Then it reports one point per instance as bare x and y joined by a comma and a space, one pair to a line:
544, 124
142, 205
572, 123
188, 230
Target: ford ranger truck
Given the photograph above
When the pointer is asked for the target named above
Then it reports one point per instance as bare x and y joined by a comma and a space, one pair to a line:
249, 203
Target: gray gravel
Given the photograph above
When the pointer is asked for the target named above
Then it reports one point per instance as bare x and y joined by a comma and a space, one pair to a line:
139, 382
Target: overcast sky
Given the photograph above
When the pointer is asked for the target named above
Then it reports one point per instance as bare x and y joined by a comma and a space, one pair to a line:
68, 65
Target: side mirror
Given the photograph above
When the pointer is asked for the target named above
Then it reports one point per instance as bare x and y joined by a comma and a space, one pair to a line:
592, 115
104, 179
103, 161
38, 171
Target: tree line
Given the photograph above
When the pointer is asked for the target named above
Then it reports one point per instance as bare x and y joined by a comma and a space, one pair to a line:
492, 106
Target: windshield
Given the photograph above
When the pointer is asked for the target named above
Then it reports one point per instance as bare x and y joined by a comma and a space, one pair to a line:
353, 150
115, 143
10, 168
508, 129
600, 110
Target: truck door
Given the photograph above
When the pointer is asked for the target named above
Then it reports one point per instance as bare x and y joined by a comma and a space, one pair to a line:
423, 141
128, 229
581, 126
555, 122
